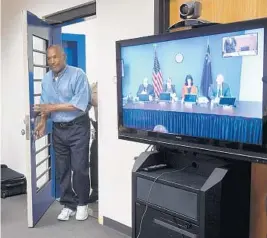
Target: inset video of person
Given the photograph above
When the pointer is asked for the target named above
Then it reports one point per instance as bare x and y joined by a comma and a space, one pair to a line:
194, 79
240, 45
230, 45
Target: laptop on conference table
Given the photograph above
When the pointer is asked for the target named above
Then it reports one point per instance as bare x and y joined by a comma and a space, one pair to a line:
227, 101
143, 97
190, 98
165, 97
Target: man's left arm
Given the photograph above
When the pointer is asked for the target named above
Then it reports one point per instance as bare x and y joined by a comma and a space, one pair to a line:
82, 96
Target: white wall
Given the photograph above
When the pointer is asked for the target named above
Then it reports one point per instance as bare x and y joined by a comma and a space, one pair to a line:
251, 85
116, 19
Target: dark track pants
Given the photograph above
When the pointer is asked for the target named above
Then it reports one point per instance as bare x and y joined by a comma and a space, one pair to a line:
71, 146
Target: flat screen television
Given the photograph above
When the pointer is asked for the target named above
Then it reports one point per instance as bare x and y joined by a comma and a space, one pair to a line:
202, 89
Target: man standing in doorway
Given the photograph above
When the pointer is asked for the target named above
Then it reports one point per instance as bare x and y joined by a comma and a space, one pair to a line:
94, 148
66, 99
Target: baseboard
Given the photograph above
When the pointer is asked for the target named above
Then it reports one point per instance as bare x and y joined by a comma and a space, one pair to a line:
126, 230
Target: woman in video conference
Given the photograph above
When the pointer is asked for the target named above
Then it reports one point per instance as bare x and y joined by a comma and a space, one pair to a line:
189, 87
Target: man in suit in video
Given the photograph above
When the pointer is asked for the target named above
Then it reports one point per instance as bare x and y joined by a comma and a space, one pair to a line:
219, 89
169, 87
145, 89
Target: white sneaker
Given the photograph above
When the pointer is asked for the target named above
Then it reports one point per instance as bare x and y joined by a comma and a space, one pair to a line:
82, 213
65, 214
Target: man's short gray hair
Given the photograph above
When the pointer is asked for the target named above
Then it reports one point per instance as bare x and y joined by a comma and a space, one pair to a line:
57, 47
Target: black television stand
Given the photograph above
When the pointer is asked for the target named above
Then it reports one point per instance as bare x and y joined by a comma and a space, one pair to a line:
177, 194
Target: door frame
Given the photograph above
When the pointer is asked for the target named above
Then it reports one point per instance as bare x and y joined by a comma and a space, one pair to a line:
72, 15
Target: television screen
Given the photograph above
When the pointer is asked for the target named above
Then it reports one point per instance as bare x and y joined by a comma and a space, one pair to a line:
184, 86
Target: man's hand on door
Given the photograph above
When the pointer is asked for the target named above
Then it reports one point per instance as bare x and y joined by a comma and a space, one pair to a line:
39, 130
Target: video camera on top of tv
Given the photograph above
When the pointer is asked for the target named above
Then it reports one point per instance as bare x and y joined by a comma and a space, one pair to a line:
190, 12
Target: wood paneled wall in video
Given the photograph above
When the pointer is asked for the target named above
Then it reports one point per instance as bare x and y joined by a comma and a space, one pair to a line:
225, 11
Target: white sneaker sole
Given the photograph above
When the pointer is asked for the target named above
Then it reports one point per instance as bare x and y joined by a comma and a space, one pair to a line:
67, 218
82, 218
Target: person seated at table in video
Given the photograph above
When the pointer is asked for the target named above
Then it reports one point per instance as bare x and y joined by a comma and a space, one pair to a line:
230, 45
146, 89
169, 88
219, 89
189, 87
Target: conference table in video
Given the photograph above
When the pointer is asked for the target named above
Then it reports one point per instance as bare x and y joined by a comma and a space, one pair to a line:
242, 123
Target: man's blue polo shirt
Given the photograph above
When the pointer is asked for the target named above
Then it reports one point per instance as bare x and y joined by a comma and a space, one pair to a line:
71, 86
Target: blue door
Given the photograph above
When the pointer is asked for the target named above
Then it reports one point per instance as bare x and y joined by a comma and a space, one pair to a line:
38, 35
74, 46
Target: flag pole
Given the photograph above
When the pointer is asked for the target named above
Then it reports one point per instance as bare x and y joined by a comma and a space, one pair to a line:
155, 47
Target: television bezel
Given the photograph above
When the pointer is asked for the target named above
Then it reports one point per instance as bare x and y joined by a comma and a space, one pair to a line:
227, 149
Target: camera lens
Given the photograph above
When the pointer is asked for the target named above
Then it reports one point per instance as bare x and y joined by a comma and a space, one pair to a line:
184, 9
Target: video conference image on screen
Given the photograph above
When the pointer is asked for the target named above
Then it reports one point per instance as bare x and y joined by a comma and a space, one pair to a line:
206, 86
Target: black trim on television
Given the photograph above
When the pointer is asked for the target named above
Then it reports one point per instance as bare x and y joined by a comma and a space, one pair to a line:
254, 153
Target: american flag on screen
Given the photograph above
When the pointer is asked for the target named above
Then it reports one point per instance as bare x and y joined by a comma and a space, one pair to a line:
157, 76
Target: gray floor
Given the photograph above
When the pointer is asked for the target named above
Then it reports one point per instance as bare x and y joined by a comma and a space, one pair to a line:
14, 223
